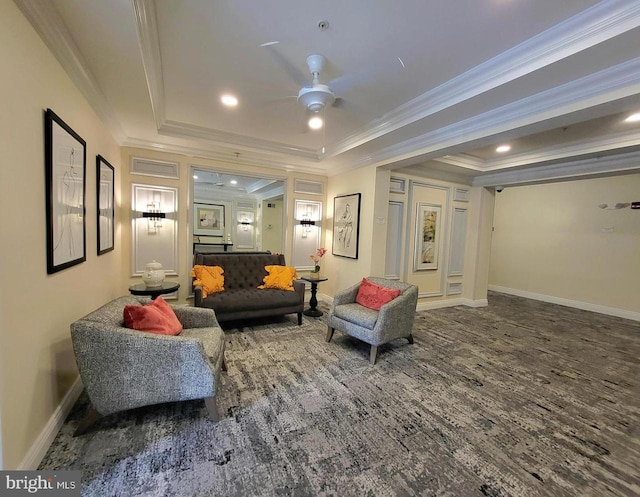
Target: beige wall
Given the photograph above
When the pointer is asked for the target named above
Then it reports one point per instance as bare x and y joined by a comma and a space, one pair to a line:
341, 271
37, 365
478, 249
272, 237
552, 240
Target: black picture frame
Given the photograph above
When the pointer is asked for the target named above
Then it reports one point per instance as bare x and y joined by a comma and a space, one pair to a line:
346, 223
105, 229
65, 173
208, 219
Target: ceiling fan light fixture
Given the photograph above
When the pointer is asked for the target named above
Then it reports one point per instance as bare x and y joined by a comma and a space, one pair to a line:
229, 100
317, 97
316, 122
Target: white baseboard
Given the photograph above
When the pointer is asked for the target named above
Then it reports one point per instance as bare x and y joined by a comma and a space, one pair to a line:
324, 298
425, 306
39, 448
439, 304
585, 306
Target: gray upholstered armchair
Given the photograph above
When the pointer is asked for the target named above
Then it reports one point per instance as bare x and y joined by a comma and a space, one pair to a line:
123, 369
393, 320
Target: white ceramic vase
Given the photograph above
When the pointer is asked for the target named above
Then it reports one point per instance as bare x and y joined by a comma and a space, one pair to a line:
153, 275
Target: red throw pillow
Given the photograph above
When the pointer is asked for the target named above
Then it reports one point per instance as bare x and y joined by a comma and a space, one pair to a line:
156, 317
375, 296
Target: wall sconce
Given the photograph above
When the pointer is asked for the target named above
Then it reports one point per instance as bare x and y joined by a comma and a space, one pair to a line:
154, 216
245, 224
306, 224
307, 216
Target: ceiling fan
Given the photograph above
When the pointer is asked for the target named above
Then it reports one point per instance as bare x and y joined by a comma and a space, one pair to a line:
317, 96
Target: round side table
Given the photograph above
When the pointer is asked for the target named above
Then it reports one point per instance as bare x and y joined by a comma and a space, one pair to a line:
313, 310
166, 287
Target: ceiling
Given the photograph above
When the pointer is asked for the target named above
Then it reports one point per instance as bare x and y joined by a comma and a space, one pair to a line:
431, 87
213, 185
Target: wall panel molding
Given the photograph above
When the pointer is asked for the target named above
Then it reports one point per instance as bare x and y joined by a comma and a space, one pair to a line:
458, 241
154, 242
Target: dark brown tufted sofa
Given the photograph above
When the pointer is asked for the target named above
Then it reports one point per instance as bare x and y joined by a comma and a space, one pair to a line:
242, 299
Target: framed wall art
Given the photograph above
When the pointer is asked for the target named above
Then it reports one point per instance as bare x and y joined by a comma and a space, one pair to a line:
105, 175
208, 219
427, 242
346, 225
65, 171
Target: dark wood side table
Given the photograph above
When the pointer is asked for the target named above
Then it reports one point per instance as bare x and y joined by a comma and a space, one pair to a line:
166, 287
313, 310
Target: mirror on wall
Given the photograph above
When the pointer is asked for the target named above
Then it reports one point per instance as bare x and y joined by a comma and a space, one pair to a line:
233, 212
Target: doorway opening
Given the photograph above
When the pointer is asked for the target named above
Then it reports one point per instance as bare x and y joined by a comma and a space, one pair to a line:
236, 212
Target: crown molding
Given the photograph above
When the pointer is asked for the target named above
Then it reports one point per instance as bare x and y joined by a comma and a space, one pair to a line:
149, 42
587, 146
604, 86
433, 174
594, 25
46, 21
613, 141
595, 166
231, 157
463, 160
175, 128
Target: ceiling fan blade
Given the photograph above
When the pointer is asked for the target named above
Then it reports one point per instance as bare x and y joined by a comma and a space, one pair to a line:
298, 76
339, 103
344, 84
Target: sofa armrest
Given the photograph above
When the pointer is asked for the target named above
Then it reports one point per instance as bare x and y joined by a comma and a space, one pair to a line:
299, 287
197, 295
196, 317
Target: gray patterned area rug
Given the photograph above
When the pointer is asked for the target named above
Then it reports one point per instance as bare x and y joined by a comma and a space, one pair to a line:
520, 398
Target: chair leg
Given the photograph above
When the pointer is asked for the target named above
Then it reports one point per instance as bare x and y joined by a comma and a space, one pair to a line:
88, 421
212, 408
410, 338
299, 318
330, 331
374, 354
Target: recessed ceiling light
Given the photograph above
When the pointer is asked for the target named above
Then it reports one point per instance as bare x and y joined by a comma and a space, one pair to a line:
233, 182
315, 122
633, 118
503, 148
195, 176
229, 100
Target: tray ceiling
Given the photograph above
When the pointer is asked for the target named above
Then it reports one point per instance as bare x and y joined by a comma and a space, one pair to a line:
431, 80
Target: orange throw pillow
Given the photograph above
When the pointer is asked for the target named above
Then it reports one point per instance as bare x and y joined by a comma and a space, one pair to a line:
280, 278
156, 317
209, 277
375, 296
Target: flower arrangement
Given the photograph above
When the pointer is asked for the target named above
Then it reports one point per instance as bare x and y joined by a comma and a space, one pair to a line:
316, 258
